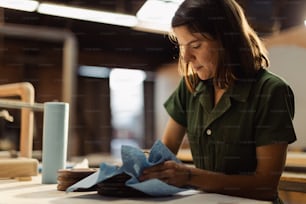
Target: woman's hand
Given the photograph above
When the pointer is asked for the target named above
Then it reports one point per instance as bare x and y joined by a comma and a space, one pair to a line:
170, 172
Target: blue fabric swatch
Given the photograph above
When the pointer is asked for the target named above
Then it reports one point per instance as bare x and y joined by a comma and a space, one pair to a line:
134, 161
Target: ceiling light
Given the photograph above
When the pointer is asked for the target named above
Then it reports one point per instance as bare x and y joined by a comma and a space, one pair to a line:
93, 71
157, 14
23, 5
87, 14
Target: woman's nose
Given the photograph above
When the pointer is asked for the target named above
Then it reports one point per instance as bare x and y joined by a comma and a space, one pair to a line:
186, 54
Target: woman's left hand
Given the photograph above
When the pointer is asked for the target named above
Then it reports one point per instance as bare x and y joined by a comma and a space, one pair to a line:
170, 172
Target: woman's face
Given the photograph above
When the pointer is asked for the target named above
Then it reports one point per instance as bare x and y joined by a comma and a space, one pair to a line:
201, 53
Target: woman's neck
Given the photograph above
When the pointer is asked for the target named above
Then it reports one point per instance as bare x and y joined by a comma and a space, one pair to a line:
218, 93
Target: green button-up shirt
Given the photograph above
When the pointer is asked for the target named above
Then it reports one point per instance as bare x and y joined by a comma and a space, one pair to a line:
223, 138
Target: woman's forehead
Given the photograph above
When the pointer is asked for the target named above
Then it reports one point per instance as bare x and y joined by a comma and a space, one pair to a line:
183, 35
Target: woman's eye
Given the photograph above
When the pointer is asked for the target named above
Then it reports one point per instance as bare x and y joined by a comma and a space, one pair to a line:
195, 45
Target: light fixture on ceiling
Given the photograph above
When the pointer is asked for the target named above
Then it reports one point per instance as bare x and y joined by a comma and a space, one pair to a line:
22, 5
94, 71
156, 15
87, 14
153, 16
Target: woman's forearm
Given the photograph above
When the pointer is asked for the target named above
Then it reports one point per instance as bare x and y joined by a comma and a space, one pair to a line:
251, 186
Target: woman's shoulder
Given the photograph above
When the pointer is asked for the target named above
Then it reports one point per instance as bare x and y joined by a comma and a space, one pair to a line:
271, 84
269, 78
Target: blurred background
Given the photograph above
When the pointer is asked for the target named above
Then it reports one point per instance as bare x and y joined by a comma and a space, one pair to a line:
113, 62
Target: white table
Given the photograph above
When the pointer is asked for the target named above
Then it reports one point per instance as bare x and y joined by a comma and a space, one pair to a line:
31, 192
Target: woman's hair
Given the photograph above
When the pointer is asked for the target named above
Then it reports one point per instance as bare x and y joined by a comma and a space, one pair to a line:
241, 53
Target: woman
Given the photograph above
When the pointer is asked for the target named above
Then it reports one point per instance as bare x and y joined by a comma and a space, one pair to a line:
237, 115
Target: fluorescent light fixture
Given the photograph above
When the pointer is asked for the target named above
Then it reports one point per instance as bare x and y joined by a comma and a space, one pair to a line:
305, 22
87, 14
94, 72
153, 16
157, 15
22, 5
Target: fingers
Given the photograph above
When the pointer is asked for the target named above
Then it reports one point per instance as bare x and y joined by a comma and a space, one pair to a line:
153, 172
161, 168
169, 172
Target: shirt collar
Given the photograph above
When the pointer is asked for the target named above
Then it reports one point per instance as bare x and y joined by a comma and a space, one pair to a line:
239, 91
202, 85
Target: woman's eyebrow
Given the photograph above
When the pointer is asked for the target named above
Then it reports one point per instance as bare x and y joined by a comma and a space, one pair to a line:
190, 42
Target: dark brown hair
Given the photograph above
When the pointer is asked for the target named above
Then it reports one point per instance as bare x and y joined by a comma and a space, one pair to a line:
242, 52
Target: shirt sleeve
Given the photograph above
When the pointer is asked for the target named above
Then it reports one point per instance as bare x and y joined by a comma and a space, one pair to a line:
274, 118
175, 105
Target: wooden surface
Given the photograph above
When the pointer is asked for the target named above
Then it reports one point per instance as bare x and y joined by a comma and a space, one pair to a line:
185, 155
29, 192
292, 188
291, 181
296, 162
292, 197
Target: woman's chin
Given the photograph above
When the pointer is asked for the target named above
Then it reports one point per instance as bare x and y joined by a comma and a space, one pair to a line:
204, 76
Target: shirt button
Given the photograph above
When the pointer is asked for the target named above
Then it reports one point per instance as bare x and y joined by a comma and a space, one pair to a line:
208, 132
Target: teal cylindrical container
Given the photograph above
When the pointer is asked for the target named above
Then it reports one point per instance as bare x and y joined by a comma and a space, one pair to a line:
55, 138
